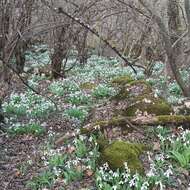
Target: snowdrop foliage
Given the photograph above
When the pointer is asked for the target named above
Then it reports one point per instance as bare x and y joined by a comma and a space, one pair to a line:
28, 104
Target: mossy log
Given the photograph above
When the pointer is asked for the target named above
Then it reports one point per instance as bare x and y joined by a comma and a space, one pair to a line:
138, 121
162, 120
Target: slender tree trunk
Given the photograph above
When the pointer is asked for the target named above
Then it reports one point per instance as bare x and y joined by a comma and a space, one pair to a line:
20, 57
82, 50
56, 64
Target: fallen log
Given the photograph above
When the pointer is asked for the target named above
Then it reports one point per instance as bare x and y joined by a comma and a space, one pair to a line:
161, 120
134, 122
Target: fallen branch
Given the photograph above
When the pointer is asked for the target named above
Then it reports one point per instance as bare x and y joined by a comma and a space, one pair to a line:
162, 120
135, 122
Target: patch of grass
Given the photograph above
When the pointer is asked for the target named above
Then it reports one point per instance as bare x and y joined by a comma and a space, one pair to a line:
57, 160
76, 113
103, 91
79, 98
44, 180
28, 104
81, 148
33, 129
57, 88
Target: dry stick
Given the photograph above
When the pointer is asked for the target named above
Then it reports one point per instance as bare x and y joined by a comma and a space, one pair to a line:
93, 31
133, 126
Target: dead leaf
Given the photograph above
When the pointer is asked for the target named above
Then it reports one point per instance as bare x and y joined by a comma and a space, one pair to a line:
184, 171
17, 173
187, 104
71, 149
145, 113
79, 168
89, 173
156, 146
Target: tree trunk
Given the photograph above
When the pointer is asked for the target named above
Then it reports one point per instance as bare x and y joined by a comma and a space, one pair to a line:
20, 58
171, 55
56, 64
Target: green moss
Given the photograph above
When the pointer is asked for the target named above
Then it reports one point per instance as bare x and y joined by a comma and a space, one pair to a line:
178, 119
133, 88
122, 80
84, 130
149, 104
137, 82
146, 87
87, 86
122, 95
115, 121
119, 152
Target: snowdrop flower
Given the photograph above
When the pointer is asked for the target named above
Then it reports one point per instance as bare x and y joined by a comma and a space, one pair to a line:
56, 171
114, 187
147, 100
115, 174
99, 178
100, 185
150, 173
121, 182
159, 157
160, 184
149, 157
90, 139
159, 127
126, 177
162, 139
82, 137
126, 167
132, 182
168, 172
105, 166
91, 153
145, 185
75, 162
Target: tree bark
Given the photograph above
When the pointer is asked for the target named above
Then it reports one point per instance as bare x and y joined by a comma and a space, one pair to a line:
20, 57
56, 64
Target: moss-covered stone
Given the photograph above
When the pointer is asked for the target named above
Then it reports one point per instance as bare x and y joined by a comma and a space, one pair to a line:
122, 80
141, 86
132, 89
148, 104
119, 152
122, 95
87, 86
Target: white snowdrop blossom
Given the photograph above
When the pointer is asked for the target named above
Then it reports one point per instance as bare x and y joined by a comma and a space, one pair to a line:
132, 182
159, 157
115, 174
168, 171
145, 186
126, 167
160, 184
105, 166
114, 187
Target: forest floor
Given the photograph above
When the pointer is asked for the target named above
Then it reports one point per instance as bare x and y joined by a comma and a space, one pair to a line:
43, 148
